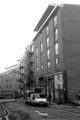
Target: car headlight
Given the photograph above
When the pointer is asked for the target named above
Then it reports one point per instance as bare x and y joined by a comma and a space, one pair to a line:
36, 101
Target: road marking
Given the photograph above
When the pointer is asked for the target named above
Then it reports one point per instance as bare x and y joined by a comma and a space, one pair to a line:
6, 117
67, 111
43, 115
4, 111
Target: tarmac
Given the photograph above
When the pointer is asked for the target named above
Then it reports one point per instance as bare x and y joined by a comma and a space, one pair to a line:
64, 107
74, 109
2, 110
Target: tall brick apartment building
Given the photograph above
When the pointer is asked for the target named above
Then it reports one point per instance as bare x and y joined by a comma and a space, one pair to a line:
57, 51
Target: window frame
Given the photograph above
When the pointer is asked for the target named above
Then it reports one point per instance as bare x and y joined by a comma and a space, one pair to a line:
48, 42
42, 68
56, 34
55, 21
56, 48
48, 54
48, 66
41, 47
36, 51
37, 61
47, 30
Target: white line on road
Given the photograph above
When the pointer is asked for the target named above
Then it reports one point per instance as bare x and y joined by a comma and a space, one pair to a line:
6, 117
43, 115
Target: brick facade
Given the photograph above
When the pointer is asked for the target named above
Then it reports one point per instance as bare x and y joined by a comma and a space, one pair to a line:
68, 26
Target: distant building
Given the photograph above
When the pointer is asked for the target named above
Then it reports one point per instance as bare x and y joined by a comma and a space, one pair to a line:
57, 51
29, 68
10, 81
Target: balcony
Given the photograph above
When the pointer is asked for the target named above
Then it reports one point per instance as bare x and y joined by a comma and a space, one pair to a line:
30, 53
21, 67
20, 80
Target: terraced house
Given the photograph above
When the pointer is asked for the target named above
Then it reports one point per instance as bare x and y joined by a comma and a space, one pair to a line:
57, 52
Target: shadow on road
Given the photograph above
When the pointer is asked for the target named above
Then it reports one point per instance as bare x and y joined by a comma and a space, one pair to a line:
18, 115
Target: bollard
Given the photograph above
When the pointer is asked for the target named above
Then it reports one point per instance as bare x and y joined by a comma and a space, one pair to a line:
42, 115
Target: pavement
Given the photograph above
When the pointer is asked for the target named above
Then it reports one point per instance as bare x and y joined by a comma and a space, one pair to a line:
74, 109
2, 110
6, 100
66, 107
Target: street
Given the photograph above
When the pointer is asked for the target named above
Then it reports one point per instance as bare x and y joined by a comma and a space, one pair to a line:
21, 111
2, 110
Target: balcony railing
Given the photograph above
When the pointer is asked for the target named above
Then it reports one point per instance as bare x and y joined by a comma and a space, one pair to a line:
21, 67
30, 53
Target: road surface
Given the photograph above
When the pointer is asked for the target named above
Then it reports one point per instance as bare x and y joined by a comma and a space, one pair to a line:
2, 110
21, 111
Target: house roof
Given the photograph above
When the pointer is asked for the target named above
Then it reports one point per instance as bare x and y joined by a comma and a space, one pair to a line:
44, 17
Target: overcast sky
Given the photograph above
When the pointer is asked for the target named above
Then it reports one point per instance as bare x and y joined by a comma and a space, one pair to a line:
17, 21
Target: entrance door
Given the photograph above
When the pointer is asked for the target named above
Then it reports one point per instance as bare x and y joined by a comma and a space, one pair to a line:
58, 86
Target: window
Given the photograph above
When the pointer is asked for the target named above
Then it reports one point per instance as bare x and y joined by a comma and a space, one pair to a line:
47, 30
48, 66
57, 65
10, 85
32, 48
55, 21
37, 61
41, 37
41, 47
57, 61
58, 81
41, 59
56, 34
56, 49
37, 69
48, 42
7, 86
42, 69
48, 54
37, 51
7, 80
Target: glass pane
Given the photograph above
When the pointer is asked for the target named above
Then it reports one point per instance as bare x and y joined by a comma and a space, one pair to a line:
42, 69
47, 30
37, 61
37, 51
57, 61
55, 21
32, 48
56, 34
48, 54
48, 66
47, 41
37, 68
55, 82
56, 49
41, 37
41, 47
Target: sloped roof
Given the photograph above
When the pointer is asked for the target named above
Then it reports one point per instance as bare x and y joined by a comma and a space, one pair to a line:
44, 17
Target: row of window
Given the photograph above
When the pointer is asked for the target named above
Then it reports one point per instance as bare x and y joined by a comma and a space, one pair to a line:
48, 50
56, 37
11, 80
48, 47
9, 86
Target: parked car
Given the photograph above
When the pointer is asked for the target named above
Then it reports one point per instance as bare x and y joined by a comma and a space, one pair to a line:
37, 99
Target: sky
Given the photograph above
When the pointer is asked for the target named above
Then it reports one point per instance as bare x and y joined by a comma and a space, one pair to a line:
18, 19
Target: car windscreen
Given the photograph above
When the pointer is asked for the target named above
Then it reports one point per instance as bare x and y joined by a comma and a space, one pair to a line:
42, 96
